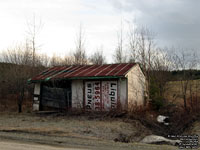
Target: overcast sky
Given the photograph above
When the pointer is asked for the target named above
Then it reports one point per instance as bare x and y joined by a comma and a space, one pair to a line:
176, 22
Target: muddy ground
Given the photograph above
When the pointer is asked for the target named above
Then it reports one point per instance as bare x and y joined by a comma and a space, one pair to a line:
77, 131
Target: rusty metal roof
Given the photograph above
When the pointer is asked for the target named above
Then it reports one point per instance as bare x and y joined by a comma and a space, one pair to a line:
84, 71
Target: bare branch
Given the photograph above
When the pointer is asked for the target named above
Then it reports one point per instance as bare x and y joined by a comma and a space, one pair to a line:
98, 57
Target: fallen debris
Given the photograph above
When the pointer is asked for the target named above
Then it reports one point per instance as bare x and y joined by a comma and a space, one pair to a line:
155, 139
163, 119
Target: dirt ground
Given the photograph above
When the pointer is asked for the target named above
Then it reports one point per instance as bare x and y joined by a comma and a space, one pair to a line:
66, 125
13, 145
85, 132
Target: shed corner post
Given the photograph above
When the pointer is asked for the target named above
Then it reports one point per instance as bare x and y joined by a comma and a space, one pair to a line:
36, 97
127, 92
84, 95
119, 94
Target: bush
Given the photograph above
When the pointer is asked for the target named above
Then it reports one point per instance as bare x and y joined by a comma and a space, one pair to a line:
157, 100
158, 103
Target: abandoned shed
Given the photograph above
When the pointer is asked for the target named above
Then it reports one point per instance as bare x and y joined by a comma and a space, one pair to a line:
92, 87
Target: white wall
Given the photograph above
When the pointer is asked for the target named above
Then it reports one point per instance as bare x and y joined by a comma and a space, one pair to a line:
77, 93
136, 87
36, 101
37, 89
123, 93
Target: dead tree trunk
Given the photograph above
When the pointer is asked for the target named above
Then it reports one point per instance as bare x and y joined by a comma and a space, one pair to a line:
20, 100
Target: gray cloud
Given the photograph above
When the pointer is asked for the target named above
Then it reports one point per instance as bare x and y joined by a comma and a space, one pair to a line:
176, 22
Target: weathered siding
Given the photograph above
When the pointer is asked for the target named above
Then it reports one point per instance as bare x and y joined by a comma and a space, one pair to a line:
77, 93
37, 89
93, 95
136, 87
101, 95
36, 98
123, 93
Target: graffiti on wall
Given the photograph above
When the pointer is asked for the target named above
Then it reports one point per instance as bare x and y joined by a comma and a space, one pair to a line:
92, 93
101, 95
109, 95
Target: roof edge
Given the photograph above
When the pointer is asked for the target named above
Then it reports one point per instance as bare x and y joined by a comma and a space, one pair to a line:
76, 78
135, 64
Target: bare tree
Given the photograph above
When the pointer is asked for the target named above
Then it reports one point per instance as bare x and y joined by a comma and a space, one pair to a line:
185, 61
33, 31
18, 55
142, 49
160, 71
68, 60
98, 57
119, 55
132, 42
42, 60
80, 57
56, 61
18, 72
59, 61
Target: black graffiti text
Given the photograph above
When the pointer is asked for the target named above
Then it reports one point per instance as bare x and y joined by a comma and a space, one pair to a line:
89, 96
112, 94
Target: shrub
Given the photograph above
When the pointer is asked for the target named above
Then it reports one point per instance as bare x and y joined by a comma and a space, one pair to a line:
158, 103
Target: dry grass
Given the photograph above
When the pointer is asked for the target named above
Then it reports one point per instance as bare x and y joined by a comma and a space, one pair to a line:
9, 103
194, 130
174, 91
69, 125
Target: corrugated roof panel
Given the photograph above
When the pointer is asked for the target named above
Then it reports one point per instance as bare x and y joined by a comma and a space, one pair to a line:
89, 71
105, 70
122, 68
95, 71
46, 73
76, 70
84, 71
114, 70
53, 73
108, 70
79, 70
125, 69
71, 70
61, 72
